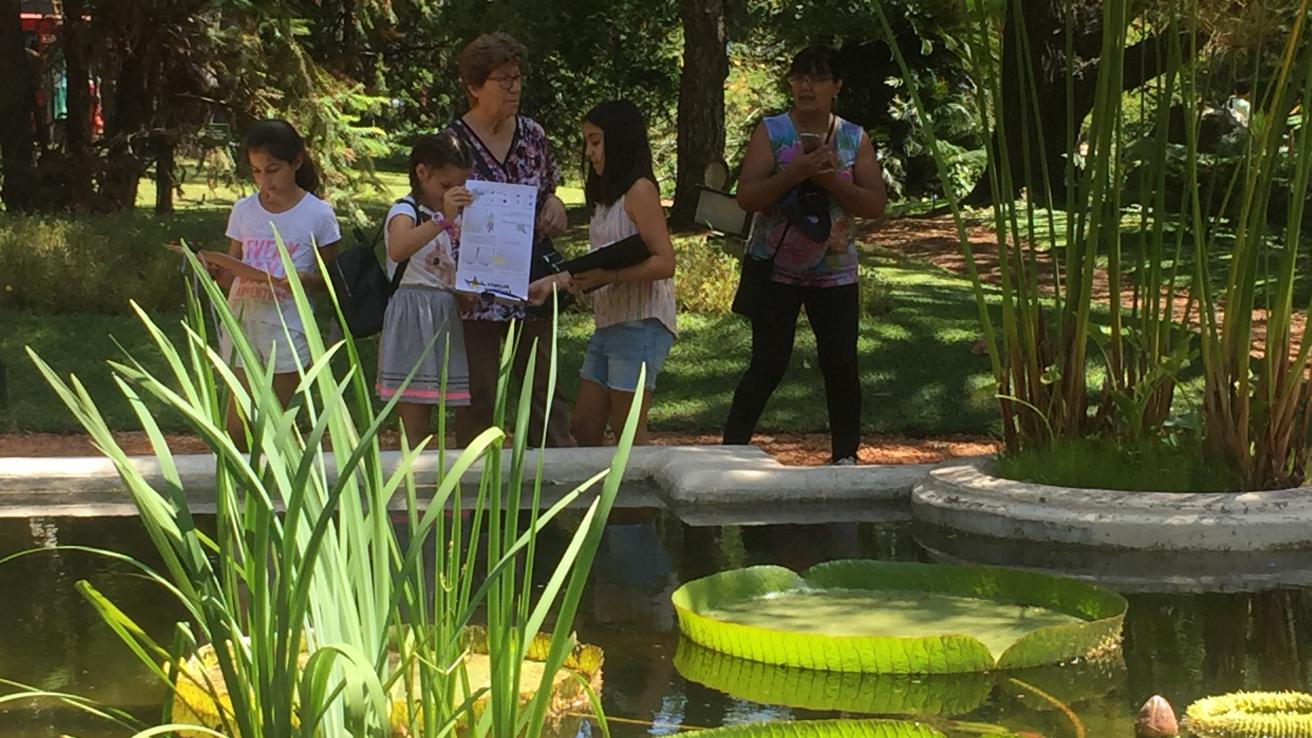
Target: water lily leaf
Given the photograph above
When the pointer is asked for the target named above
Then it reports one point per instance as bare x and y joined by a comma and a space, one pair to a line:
824, 729
899, 617
855, 692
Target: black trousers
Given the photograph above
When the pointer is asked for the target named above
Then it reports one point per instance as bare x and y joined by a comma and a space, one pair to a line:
834, 314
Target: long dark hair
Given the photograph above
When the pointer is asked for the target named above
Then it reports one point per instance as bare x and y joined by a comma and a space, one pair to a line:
627, 152
279, 139
437, 150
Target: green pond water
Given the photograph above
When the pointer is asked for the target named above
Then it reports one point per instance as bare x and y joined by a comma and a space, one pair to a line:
889, 613
1183, 645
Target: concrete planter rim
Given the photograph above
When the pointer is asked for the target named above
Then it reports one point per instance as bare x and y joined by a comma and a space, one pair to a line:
964, 496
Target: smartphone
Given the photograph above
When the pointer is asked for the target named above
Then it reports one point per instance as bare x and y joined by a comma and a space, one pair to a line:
810, 141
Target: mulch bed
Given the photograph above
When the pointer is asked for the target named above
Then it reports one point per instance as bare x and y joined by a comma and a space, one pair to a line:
794, 449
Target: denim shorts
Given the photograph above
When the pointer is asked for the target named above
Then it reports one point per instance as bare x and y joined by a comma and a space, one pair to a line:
617, 352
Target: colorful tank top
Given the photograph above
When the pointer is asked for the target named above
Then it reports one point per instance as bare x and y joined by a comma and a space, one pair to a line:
801, 261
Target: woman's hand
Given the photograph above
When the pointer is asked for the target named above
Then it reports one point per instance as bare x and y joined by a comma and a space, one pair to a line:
818, 162
552, 221
829, 180
592, 279
455, 199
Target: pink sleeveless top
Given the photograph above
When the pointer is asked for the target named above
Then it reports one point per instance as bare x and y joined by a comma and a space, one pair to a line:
622, 302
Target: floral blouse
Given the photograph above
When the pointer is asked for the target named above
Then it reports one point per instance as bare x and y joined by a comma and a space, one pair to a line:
528, 162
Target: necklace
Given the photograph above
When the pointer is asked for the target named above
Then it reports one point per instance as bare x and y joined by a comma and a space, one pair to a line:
802, 130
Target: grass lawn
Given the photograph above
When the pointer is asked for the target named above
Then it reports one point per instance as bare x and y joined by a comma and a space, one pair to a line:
918, 373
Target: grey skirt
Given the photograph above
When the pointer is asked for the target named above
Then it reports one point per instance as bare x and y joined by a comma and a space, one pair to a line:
417, 317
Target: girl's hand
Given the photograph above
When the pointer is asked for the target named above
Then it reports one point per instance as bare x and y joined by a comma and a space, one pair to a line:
552, 221
540, 290
456, 198
591, 280
281, 286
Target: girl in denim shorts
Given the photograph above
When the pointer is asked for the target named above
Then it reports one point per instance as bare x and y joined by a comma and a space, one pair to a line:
633, 306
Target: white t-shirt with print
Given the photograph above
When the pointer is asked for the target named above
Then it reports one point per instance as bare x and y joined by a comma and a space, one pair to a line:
309, 224
434, 264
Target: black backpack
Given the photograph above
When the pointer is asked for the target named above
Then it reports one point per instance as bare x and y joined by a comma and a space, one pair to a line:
360, 282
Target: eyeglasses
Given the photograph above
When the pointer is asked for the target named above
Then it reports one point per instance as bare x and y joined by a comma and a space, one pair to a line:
508, 81
810, 79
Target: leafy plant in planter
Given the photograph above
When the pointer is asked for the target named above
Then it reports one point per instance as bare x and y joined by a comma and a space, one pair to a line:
1098, 314
320, 616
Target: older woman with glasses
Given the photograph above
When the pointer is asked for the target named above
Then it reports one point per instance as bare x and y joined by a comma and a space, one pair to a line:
807, 173
511, 148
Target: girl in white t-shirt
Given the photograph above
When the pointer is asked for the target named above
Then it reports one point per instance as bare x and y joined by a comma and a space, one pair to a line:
254, 275
421, 328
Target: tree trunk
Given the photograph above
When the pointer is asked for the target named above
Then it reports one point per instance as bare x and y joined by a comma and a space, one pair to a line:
131, 114
17, 94
701, 101
1024, 117
164, 162
77, 127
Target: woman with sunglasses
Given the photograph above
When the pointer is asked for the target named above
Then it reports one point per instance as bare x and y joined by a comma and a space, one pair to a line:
807, 173
510, 148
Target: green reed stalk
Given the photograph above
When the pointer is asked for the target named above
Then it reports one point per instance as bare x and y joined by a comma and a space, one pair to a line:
1256, 409
320, 617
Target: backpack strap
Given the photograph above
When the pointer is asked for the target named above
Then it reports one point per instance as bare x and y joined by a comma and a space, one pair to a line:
401, 265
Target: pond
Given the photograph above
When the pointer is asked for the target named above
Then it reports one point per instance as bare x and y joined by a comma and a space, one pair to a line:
1183, 645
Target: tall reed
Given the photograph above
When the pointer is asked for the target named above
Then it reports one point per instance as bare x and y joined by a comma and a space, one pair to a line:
1130, 293
320, 615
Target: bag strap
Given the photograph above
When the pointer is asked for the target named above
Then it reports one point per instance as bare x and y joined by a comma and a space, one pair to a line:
780, 243
466, 135
401, 265
829, 135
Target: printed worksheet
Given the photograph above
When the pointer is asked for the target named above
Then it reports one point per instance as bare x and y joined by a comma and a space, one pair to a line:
496, 239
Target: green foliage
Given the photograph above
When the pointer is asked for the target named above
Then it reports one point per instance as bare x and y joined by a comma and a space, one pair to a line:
874, 93
305, 556
97, 264
580, 53
705, 276
1244, 190
1099, 463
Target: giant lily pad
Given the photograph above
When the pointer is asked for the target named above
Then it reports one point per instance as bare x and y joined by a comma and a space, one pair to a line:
846, 691
200, 691
899, 617
824, 729
1251, 715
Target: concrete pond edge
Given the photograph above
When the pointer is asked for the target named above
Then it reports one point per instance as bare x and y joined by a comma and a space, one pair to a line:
742, 485
702, 485
961, 495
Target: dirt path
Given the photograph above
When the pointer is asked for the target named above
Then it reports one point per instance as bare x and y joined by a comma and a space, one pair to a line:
801, 449
934, 240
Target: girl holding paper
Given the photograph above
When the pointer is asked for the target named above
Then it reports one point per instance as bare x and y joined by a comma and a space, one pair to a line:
284, 206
